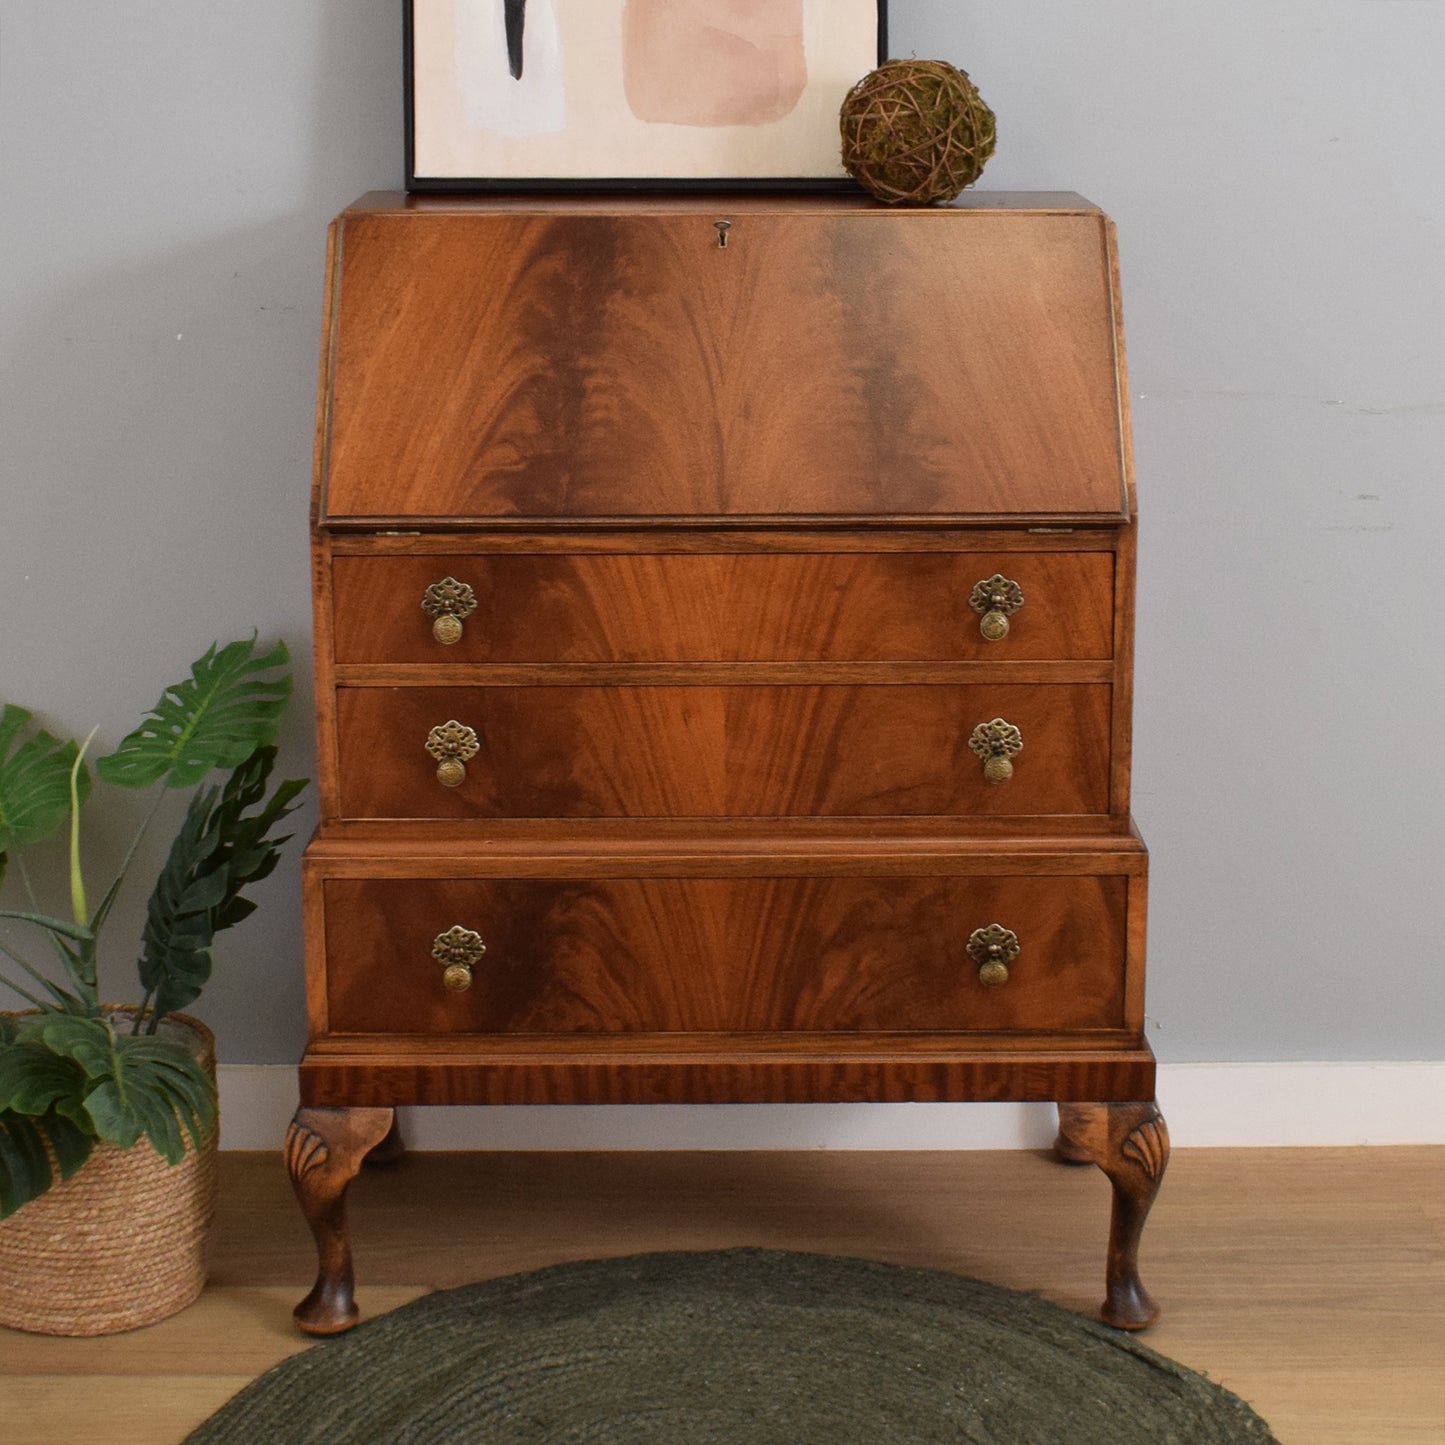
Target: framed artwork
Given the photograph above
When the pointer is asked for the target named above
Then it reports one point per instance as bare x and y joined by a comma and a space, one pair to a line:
632, 94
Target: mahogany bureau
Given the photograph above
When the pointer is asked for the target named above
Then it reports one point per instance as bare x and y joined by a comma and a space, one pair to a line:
724, 615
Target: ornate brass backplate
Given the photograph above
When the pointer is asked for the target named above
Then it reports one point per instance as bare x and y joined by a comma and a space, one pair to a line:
453, 745
448, 603
459, 949
996, 743
993, 948
995, 599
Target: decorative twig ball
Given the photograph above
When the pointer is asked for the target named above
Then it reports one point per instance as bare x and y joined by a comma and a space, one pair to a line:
915, 132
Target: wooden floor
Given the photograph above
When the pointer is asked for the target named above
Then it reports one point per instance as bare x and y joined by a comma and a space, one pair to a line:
1309, 1281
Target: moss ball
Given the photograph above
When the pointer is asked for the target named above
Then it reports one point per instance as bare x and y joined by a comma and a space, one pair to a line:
915, 132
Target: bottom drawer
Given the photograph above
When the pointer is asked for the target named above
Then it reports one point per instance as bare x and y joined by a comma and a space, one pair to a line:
750, 954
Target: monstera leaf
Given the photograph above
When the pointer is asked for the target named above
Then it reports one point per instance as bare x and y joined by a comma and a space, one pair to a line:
229, 706
41, 1101
34, 1080
247, 849
34, 782
222, 846
25, 1171
136, 1085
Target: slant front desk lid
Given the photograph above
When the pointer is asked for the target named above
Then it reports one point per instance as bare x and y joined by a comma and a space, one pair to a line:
492, 362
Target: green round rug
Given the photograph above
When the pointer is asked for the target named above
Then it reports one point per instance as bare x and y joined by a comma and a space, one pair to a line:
744, 1346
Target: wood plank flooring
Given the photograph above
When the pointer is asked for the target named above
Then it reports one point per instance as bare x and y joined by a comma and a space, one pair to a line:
1310, 1281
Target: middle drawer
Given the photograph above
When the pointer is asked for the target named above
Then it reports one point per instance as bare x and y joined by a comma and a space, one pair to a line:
703, 751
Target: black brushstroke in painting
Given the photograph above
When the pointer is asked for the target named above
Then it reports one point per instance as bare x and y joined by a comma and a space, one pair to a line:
516, 18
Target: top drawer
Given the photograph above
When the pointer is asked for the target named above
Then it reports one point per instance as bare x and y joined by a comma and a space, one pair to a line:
789, 607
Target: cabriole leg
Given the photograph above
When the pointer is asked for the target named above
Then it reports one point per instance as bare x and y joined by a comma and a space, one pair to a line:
1130, 1143
324, 1150
390, 1150
1074, 1122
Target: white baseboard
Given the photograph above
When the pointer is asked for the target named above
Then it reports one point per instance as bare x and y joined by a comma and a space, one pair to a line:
1207, 1106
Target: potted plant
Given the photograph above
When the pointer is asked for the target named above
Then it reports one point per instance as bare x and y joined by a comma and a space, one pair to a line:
108, 1114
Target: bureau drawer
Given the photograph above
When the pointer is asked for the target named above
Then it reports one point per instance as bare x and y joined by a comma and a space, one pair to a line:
788, 607
789, 751
755, 954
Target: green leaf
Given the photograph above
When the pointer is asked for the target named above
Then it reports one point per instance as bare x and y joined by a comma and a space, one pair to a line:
141, 1086
34, 1080
248, 853
175, 963
34, 782
222, 847
25, 1171
77, 931
24, 1165
72, 1143
89, 1041
158, 1090
231, 704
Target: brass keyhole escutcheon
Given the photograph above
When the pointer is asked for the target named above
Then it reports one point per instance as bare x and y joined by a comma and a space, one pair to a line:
995, 599
448, 603
453, 745
996, 744
460, 950
993, 949
722, 228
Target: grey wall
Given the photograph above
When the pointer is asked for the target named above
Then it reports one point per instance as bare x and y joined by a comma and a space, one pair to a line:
166, 173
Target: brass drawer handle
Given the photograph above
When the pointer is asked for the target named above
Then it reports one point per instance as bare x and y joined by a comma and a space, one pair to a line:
459, 950
448, 603
453, 745
997, 743
995, 599
993, 948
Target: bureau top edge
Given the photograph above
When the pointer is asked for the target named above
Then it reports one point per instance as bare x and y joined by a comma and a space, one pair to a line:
396, 203
771, 525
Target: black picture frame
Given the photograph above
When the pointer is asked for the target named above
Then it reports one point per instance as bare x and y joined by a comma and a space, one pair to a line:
641, 184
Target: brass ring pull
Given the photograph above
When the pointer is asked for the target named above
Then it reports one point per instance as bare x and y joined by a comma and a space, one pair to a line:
997, 743
993, 948
995, 599
448, 603
453, 745
459, 950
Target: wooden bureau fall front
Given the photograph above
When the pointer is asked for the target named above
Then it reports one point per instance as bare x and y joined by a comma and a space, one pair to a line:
723, 649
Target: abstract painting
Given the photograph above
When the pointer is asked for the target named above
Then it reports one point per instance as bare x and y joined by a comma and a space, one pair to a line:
534, 94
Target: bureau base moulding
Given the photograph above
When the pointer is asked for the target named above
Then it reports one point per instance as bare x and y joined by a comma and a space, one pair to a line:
1211, 1106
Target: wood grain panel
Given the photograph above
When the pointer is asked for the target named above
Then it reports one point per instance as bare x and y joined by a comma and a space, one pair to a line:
837, 1072
590, 365
828, 607
690, 955
731, 751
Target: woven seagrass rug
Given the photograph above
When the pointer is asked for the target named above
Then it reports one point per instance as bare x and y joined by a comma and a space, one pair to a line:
745, 1346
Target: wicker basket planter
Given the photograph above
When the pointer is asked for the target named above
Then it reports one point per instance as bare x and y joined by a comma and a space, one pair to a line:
121, 1243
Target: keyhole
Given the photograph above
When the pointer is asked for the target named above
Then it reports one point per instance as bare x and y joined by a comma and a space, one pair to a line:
722, 228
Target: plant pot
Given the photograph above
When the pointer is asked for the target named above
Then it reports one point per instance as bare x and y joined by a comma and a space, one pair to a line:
119, 1244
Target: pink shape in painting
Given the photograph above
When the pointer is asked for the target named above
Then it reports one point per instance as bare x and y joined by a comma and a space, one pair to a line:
713, 62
